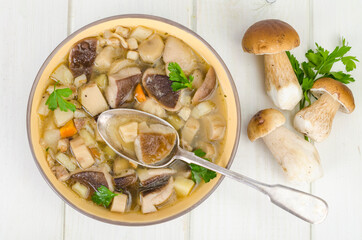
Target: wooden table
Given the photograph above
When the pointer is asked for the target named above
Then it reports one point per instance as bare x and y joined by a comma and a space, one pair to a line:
29, 209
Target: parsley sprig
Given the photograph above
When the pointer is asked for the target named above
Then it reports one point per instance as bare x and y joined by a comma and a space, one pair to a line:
56, 99
178, 77
103, 196
319, 65
199, 173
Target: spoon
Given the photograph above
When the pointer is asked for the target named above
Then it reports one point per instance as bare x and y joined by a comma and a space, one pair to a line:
306, 206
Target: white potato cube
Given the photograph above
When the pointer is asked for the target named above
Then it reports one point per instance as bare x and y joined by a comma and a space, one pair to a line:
81, 190
133, 55
123, 31
132, 43
51, 138
202, 109
80, 80
141, 33
43, 108
119, 203
183, 186
128, 131
63, 75
61, 117
184, 113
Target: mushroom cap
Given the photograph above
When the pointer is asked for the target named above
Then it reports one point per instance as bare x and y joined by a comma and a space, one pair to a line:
337, 90
269, 37
264, 122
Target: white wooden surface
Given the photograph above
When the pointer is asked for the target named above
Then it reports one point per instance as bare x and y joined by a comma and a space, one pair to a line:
29, 209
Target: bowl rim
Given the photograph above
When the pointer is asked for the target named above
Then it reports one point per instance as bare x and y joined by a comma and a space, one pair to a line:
144, 16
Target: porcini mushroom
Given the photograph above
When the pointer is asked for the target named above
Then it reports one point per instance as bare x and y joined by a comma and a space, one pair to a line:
272, 38
316, 120
298, 157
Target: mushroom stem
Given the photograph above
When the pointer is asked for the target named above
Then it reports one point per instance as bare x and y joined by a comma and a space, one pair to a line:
298, 158
281, 83
316, 120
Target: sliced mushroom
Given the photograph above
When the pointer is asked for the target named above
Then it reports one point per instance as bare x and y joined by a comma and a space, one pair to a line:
150, 199
216, 126
61, 173
177, 51
198, 78
154, 177
151, 49
125, 179
158, 86
82, 56
151, 106
209, 148
119, 64
121, 85
207, 88
154, 143
94, 178
105, 58
119, 203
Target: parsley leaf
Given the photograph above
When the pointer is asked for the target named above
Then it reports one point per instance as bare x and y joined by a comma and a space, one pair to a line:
199, 173
103, 196
178, 77
57, 99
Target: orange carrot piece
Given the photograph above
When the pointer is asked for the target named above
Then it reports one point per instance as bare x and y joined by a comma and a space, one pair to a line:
68, 129
139, 94
95, 152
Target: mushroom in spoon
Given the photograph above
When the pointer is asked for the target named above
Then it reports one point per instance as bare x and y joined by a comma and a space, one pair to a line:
303, 205
272, 38
298, 157
316, 120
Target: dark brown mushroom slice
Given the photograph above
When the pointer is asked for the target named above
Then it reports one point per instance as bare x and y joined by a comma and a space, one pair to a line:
121, 85
150, 178
207, 88
158, 86
82, 56
125, 179
93, 179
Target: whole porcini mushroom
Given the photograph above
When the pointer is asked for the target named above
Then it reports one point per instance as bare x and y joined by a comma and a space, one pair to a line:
272, 38
298, 157
316, 120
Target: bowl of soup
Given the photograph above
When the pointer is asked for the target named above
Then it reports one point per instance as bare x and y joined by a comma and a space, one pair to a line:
137, 62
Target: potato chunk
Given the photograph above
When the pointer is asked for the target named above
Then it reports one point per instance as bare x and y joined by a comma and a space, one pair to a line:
81, 190
65, 161
61, 117
183, 186
128, 131
92, 99
119, 203
189, 131
63, 75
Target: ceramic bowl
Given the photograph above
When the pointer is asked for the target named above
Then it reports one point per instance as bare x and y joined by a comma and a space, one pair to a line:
162, 25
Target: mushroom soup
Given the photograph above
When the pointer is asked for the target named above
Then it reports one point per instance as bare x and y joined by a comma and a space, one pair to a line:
142, 69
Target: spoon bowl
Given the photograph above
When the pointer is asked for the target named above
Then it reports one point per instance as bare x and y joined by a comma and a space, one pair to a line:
306, 206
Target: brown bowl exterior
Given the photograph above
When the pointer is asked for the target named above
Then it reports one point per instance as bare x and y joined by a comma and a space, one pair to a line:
162, 25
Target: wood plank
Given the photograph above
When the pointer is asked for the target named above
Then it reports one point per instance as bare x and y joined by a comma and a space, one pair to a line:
235, 211
30, 31
341, 152
76, 225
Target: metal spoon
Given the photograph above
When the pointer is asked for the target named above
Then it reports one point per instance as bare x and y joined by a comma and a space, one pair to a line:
308, 207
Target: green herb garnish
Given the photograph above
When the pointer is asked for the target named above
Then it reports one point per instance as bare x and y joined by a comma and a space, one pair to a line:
56, 99
103, 196
178, 77
319, 65
47, 149
198, 173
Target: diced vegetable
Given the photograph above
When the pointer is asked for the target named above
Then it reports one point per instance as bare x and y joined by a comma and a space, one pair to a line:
153, 107
132, 43
61, 173
183, 186
215, 126
139, 94
176, 122
81, 153
65, 161
80, 113
123, 31
189, 131
202, 109
81, 190
63, 145
120, 64
133, 55
119, 165
92, 99
141, 33
61, 117
105, 58
87, 138
101, 81
63, 75
80, 80
43, 108
109, 152
128, 131
68, 130
119, 203
184, 113
51, 138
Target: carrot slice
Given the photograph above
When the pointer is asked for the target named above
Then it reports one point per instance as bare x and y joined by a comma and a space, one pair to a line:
68, 130
139, 94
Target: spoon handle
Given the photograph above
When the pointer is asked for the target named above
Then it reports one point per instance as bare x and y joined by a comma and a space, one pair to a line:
306, 206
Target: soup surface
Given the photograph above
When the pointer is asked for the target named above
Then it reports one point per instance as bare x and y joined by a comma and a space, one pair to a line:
142, 69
